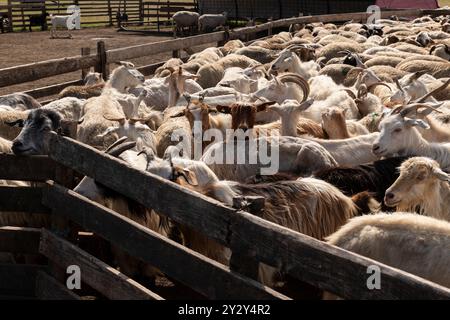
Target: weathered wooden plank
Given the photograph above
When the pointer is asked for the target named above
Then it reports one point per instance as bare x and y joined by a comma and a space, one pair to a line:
52, 89
18, 279
19, 240
97, 274
143, 50
21, 199
203, 275
327, 267
44, 69
35, 168
47, 288
161, 195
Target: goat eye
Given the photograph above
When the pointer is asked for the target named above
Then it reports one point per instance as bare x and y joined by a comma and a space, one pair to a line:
46, 129
397, 130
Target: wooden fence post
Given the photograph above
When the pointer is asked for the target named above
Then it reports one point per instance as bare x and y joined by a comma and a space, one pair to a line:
85, 52
102, 65
110, 13
10, 17
243, 262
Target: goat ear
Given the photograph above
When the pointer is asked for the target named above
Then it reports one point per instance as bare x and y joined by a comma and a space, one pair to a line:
224, 109
417, 123
149, 154
441, 175
263, 106
56, 118
18, 123
186, 174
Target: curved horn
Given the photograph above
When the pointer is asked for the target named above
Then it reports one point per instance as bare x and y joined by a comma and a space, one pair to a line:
295, 78
415, 106
399, 86
117, 151
429, 94
350, 93
379, 84
115, 144
113, 119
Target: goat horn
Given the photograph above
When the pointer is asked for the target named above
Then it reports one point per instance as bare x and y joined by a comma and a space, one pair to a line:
399, 86
429, 94
350, 93
292, 77
378, 84
413, 108
115, 144
117, 151
113, 119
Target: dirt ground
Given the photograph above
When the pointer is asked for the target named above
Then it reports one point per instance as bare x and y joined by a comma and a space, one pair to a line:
25, 47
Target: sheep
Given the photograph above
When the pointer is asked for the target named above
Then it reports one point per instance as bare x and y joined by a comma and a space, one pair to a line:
19, 101
60, 21
207, 22
423, 187
69, 108
83, 92
231, 46
262, 55
441, 50
210, 74
183, 19
437, 69
10, 132
412, 243
335, 126
5, 145
199, 59
331, 50
166, 69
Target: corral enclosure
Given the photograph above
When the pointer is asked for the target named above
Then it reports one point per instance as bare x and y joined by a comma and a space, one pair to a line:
251, 239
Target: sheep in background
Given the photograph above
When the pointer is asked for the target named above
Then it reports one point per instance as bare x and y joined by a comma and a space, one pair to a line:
93, 86
185, 19
208, 22
412, 243
19, 101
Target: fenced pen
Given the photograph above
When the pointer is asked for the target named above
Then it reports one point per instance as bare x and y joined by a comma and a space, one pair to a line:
77, 220
93, 12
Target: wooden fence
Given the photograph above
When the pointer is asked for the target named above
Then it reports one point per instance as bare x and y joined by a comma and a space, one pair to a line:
101, 60
94, 12
251, 239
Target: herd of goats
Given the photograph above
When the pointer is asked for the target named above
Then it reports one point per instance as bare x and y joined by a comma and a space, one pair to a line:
359, 115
